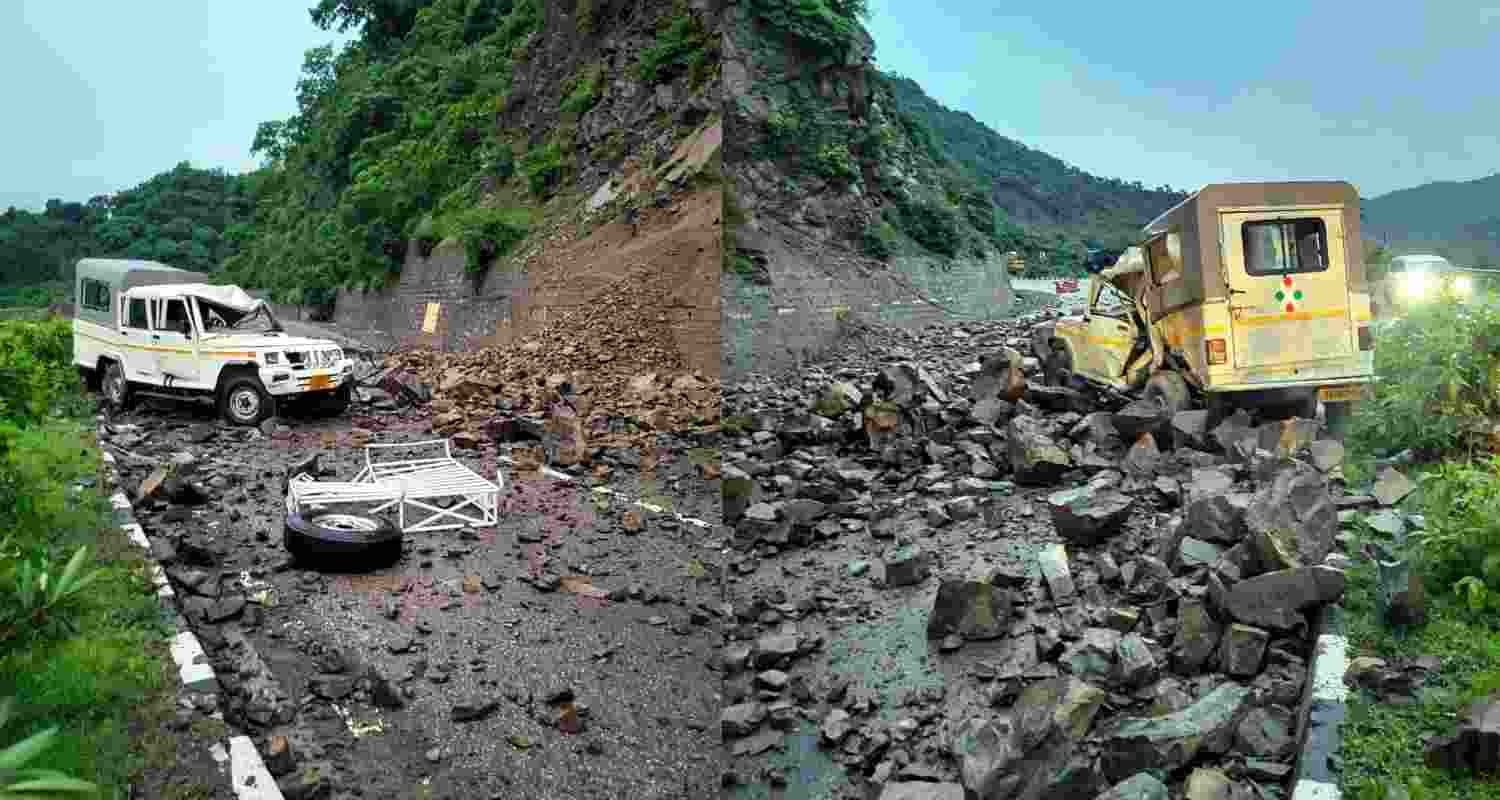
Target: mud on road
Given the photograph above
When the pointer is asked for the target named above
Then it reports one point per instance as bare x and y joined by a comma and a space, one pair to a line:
564, 653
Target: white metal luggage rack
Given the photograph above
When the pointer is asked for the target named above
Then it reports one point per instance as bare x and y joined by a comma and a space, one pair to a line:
416, 482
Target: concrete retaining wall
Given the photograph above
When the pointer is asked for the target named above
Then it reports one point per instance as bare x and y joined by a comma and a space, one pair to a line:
797, 317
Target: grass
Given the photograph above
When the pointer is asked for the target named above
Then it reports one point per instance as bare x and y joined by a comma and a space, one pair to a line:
1383, 742
108, 684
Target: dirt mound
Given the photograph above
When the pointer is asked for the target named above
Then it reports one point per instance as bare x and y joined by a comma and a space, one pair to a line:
617, 353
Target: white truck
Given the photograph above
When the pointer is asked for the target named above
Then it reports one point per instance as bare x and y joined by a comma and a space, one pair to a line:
144, 329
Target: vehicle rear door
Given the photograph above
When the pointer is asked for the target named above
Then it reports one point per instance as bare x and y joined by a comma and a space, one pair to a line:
1288, 286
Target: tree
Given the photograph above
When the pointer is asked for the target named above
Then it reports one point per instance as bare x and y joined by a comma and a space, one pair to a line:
382, 23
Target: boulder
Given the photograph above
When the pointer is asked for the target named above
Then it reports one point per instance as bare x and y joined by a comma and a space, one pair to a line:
1035, 459
1001, 377
1142, 416
1276, 600
973, 609
1088, 516
1174, 740
1297, 500
1197, 637
1140, 786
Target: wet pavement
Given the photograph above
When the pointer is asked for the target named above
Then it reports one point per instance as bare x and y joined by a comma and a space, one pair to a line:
573, 647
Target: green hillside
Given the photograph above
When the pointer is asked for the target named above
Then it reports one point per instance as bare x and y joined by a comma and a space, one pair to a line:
1456, 219
188, 217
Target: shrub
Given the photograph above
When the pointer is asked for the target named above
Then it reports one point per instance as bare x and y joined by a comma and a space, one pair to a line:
834, 161
486, 233
879, 241
36, 373
682, 46
585, 91
1440, 369
930, 225
828, 25
542, 169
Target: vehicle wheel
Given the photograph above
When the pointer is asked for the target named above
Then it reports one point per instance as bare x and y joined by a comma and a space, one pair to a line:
343, 539
116, 389
244, 401
1336, 418
1170, 390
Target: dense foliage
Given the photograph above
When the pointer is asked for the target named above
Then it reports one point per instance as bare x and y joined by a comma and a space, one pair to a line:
394, 141
186, 217
828, 26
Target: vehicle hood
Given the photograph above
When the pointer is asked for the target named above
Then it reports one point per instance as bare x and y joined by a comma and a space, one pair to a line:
266, 341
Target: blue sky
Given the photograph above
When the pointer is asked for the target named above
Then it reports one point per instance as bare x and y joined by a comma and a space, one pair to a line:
102, 96
1384, 95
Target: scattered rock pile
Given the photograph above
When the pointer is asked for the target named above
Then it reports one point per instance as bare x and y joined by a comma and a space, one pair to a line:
616, 356
1157, 622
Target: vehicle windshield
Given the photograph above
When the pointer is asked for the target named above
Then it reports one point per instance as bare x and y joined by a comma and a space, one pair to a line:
222, 319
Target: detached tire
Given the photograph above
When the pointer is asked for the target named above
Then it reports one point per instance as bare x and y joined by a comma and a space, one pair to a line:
1170, 390
342, 539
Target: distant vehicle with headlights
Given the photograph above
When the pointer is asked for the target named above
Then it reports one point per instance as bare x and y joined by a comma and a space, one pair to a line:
145, 329
1413, 280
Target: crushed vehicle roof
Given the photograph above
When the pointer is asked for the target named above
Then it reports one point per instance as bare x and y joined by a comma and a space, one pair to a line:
228, 296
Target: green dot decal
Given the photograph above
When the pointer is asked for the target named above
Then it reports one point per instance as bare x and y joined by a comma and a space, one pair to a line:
1280, 295
1297, 295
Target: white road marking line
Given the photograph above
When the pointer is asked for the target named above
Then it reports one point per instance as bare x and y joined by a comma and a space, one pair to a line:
245, 764
1329, 661
186, 651
1316, 790
137, 534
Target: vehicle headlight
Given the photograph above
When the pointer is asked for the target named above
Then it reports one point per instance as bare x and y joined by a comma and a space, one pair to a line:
1416, 284
272, 358
1463, 284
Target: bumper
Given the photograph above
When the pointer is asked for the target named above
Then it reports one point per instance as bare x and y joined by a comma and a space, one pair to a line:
283, 381
1352, 380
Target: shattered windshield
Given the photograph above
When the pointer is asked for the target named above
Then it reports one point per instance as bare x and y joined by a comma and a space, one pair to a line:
223, 319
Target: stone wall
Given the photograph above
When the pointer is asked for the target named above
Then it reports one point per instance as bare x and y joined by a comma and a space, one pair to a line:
768, 327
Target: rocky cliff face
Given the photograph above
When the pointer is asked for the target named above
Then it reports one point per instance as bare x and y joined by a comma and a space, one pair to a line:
840, 207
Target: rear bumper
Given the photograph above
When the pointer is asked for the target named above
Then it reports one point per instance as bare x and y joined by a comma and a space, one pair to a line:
1314, 383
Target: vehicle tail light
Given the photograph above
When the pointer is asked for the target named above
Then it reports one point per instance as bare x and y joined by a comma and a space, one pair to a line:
1218, 351
1366, 338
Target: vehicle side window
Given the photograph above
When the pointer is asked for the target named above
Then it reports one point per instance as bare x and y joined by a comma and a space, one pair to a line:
95, 295
137, 316
175, 316
1280, 247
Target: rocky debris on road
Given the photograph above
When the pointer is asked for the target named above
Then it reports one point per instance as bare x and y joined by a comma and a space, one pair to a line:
1129, 590
617, 356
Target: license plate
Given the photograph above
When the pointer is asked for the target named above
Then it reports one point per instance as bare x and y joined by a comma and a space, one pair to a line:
320, 382
1339, 394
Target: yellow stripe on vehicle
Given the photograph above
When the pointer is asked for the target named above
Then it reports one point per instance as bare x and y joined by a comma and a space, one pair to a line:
1294, 316
159, 349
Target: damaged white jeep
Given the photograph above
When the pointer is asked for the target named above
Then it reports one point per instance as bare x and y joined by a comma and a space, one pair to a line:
144, 329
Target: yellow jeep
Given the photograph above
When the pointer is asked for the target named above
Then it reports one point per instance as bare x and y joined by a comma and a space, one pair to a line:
1244, 295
